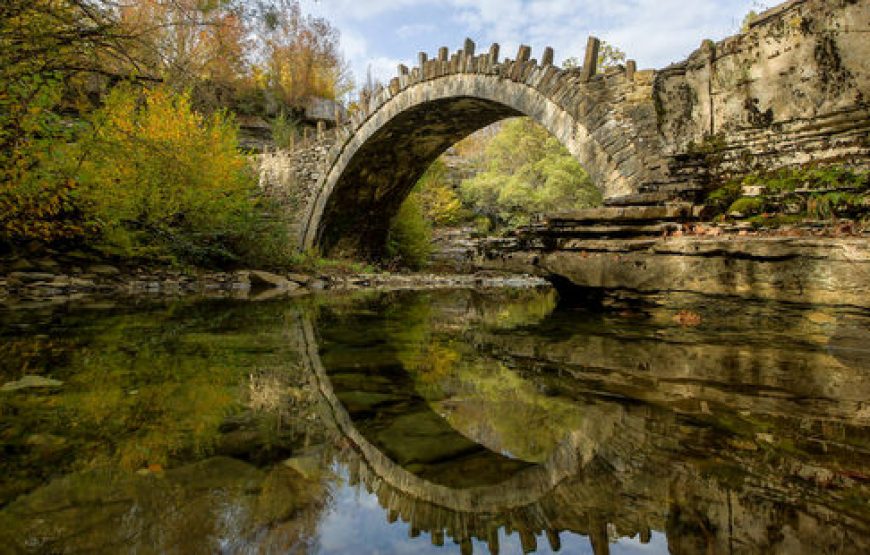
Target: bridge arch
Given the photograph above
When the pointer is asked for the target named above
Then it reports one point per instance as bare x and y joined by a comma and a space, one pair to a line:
607, 122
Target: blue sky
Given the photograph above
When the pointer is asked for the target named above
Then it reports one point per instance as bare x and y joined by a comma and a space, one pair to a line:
382, 33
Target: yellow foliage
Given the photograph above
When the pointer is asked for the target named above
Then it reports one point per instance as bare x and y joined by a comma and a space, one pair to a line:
157, 166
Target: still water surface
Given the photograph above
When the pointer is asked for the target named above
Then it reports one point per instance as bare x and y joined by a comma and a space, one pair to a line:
434, 422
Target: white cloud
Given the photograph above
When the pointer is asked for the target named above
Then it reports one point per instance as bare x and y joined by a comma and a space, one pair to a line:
410, 31
382, 69
359, 10
654, 32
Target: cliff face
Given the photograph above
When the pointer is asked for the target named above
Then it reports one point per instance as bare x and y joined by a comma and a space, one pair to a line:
792, 89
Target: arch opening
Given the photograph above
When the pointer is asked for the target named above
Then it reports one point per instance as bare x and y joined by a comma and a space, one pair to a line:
386, 168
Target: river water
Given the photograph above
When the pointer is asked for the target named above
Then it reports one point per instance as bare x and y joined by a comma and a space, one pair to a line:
497, 421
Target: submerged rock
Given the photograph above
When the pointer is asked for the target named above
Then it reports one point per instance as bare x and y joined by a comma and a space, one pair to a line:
30, 277
31, 381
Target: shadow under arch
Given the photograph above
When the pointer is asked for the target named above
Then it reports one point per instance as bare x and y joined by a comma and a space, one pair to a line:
370, 173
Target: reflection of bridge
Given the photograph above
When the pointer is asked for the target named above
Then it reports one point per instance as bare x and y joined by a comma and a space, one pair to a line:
630, 470
464, 513
780, 94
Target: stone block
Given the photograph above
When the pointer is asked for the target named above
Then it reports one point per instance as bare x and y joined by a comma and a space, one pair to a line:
493, 53
590, 61
547, 58
630, 70
524, 53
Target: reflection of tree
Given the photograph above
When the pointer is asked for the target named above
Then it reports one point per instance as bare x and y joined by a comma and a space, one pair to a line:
479, 396
162, 387
148, 388
216, 505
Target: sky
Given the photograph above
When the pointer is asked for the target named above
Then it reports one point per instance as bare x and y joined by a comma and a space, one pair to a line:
381, 34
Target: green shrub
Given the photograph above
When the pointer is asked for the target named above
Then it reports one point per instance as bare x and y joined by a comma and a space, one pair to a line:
39, 192
748, 206
285, 130
836, 204
161, 178
410, 237
846, 200
439, 200
722, 198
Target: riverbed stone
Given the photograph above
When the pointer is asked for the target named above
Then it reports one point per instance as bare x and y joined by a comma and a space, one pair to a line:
30, 277
826, 271
103, 270
259, 278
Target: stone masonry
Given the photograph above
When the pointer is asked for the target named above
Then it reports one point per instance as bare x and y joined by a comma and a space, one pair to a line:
793, 89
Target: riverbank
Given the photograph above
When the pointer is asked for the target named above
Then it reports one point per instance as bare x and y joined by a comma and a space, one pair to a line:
47, 282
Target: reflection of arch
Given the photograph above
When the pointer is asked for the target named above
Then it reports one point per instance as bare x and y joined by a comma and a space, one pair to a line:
405, 128
524, 488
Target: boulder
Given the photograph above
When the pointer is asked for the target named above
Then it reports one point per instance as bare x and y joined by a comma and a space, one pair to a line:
260, 279
301, 279
103, 270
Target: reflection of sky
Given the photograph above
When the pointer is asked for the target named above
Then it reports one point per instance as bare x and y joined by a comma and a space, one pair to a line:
356, 523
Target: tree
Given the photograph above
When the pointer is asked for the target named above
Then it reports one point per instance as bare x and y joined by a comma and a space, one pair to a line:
299, 56
526, 170
747, 21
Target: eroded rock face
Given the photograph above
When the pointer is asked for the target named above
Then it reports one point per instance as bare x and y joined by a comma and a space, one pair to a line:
790, 90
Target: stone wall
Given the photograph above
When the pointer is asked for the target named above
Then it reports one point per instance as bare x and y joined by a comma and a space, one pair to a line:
792, 89
292, 176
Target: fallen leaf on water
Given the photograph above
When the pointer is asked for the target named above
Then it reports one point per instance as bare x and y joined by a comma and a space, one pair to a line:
687, 318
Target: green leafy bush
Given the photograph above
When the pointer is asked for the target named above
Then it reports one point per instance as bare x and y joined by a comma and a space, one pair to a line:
409, 241
285, 130
748, 206
39, 196
819, 192
161, 178
438, 199
837, 204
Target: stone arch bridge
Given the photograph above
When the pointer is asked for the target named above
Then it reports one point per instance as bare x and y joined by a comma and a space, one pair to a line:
790, 90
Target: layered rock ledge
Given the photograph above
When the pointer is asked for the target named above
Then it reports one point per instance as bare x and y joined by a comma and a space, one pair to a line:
827, 271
